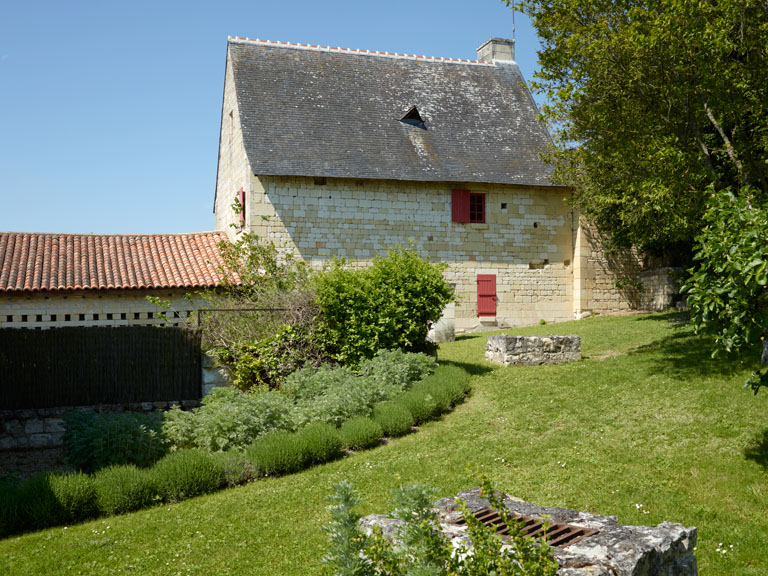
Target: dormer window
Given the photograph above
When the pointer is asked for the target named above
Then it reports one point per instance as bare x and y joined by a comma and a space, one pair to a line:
413, 118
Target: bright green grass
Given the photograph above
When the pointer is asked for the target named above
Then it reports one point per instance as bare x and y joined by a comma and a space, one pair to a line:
647, 418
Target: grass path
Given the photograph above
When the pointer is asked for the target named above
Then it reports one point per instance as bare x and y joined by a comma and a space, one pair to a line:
647, 418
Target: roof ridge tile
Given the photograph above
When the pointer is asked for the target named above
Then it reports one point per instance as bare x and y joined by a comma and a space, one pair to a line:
299, 46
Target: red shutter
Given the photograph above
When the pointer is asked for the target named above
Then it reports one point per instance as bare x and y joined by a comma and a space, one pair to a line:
460, 205
486, 295
241, 199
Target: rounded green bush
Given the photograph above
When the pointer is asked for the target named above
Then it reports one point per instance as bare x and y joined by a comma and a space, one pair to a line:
186, 474
422, 405
277, 453
360, 433
394, 418
10, 516
321, 443
37, 504
236, 468
76, 496
126, 488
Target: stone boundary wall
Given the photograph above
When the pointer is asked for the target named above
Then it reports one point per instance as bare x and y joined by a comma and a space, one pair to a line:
533, 350
44, 427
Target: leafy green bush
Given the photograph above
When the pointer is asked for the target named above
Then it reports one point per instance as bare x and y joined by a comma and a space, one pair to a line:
267, 362
186, 474
277, 453
320, 442
125, 488
394, 418
76, 496
236, 468
93, 440
360, 433
228, 419
387, 305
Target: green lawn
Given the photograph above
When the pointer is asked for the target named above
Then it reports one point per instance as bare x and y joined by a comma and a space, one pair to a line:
646, 418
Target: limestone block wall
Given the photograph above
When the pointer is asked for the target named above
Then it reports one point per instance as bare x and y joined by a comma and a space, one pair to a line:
45, 427
609, 281
234, 169
41, 310
526, 242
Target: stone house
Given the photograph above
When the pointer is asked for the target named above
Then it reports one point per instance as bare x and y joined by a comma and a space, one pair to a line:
53, 280
340, 152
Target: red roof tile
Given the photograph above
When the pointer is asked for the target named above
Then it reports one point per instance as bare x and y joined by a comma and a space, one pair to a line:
39, 262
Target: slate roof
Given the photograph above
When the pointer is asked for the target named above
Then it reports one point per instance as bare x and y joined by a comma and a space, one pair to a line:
43, 262
320, 111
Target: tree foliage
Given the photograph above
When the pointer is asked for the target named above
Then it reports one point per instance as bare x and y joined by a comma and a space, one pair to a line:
650, 103
727, 287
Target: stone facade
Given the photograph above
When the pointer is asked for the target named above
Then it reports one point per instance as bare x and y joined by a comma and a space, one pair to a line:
41, 310
533, 350
526, 241
616, 549
546, 266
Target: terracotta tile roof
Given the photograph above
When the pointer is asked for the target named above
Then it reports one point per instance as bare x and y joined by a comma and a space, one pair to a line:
31, 262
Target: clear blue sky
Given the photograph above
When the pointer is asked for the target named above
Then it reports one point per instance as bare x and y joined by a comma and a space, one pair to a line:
110, 111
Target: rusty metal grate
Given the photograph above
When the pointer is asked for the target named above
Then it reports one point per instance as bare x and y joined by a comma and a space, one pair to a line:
557, 534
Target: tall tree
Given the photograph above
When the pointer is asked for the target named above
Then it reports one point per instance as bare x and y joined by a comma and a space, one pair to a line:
652, 104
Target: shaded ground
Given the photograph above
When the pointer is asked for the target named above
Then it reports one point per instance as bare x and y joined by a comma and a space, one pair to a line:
26, 463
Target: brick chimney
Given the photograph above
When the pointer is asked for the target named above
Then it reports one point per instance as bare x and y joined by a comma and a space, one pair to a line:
497, 49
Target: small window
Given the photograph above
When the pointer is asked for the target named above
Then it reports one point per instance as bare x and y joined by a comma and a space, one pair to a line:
467, 207
241, 201
413, 118
477, 208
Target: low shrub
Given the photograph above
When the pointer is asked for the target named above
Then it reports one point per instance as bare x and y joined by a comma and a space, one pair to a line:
277, 453
186, 474
312, 383
330, 395
422, 405
10, 517
393, 371
125, 488
93, 440
236, 468
320, 442
360, 433
394, 418
38, 507
76, 496
228, 420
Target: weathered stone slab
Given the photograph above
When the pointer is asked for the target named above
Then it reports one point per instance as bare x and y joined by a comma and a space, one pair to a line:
533, 350
616, 550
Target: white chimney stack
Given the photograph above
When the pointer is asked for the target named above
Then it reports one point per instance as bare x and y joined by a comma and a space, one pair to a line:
497, 49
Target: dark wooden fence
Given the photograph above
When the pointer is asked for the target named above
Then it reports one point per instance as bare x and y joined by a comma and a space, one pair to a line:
81, 366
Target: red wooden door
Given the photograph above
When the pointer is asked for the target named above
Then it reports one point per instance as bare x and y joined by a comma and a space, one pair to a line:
486, 295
